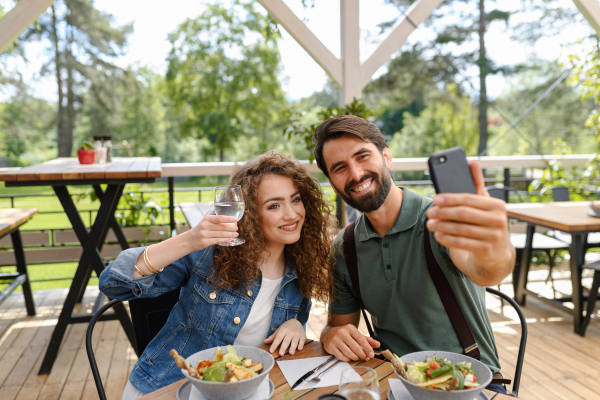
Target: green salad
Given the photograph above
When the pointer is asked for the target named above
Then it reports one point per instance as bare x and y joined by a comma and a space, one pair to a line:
438, 374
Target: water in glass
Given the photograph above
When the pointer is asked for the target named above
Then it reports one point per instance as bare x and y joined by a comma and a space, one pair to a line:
229, 200
360, 383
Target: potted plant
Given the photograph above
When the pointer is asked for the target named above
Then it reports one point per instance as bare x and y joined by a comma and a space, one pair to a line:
86, 153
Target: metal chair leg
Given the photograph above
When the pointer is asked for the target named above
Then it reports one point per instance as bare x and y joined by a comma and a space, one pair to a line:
90, 351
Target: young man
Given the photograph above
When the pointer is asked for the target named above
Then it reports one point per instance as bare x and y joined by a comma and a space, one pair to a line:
469, 239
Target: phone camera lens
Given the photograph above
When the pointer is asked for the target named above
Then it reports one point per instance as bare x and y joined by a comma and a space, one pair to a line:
442, 159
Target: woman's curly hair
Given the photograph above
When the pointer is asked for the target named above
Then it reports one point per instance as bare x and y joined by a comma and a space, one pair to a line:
238, 266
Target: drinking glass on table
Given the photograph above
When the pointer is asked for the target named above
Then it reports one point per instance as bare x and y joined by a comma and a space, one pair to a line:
365, 386
229, 201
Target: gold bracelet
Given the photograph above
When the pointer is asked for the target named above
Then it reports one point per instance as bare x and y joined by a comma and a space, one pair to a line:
148, 263
139, 271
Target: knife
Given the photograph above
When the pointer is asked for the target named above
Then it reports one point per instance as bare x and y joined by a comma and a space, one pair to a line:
309, 373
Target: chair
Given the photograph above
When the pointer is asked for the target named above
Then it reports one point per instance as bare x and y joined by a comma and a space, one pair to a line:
541, 242
559, 193
523, 341
148, 316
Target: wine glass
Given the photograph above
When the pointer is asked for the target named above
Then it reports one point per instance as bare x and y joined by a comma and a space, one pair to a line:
360, 383
229, 201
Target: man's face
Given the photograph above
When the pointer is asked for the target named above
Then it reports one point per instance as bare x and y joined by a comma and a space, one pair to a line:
358, 172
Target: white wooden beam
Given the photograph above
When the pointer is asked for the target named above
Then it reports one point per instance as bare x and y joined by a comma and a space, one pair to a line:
591, 11
398, 164
309, 42
350, 39
18, 19
397, 35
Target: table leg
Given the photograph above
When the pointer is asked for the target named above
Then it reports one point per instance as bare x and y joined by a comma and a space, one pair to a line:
90, 259
524, 266
22, 269
98, 232
577, 260
114, 225
171, 205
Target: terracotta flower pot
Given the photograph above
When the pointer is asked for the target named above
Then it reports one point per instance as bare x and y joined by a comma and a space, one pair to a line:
86, 156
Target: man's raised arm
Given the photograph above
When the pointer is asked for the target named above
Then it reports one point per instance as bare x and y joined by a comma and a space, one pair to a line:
475, 229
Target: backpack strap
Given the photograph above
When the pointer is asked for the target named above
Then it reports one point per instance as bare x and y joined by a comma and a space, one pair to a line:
352, 264
449, 301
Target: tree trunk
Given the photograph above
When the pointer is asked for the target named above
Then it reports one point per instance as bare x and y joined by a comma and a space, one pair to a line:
483, 71
63, 148
221, 154
70, 95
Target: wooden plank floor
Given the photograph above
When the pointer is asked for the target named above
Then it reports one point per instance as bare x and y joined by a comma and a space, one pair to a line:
558, 363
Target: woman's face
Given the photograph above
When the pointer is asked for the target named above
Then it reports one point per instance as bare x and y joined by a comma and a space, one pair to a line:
281, 209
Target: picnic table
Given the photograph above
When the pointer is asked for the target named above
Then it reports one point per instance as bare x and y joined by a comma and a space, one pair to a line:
569, 217
311, 349
61, 173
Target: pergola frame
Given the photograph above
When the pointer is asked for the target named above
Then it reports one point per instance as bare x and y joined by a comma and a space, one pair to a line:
347, 71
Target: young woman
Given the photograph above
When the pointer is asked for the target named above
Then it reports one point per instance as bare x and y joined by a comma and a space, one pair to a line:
258, 292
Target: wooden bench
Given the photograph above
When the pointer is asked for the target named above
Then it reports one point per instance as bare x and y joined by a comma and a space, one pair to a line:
194, 212
10, 221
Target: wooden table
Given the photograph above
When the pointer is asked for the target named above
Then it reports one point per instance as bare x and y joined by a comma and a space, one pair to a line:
10, 221
59, 174
282, 388
570, 217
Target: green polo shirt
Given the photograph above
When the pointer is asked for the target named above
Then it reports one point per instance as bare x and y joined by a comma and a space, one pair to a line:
396, 287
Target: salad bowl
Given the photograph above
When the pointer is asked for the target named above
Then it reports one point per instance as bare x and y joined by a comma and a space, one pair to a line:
231, 390
482, 373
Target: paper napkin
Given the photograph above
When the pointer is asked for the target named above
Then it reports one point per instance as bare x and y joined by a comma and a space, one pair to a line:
293, 370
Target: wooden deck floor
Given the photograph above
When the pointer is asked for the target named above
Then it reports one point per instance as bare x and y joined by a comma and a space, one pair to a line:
558, 363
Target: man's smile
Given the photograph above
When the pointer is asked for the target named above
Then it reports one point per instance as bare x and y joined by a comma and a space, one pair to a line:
363, 187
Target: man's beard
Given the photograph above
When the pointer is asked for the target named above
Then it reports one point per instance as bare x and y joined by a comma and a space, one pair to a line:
373, 200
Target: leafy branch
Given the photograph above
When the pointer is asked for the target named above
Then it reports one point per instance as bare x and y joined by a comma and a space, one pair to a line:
295, 124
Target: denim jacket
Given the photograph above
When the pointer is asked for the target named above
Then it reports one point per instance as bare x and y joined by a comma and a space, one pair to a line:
202, 318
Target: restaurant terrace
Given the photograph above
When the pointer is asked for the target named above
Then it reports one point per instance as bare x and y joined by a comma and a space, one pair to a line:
63, 220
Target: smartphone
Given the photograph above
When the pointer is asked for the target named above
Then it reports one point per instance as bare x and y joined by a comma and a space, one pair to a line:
450, 171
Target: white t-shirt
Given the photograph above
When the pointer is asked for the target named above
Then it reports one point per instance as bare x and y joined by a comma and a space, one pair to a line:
255, 330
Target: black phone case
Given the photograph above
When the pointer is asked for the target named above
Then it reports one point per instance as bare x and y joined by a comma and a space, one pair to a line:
453, 175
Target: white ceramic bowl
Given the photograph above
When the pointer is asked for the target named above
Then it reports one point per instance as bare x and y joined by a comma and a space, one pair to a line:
482, 373
231, 390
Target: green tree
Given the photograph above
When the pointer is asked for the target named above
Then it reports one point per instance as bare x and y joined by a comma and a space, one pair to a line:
560, 115
26, 134
301, 125
461, 43
439, 126
222, 75
83, 43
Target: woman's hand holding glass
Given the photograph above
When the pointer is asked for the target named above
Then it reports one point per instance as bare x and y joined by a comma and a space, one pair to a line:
289, 334
213, 229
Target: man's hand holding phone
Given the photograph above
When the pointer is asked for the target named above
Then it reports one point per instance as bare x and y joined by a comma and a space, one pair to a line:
475, 229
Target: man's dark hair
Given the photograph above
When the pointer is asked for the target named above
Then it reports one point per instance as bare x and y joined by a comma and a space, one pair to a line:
333, 128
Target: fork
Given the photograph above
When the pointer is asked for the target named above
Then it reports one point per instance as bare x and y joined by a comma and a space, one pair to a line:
317, 378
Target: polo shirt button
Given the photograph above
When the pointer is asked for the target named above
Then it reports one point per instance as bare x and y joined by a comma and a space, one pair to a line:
273, 329
212, 296
249, 293
385, 245
388, 266
236, 320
